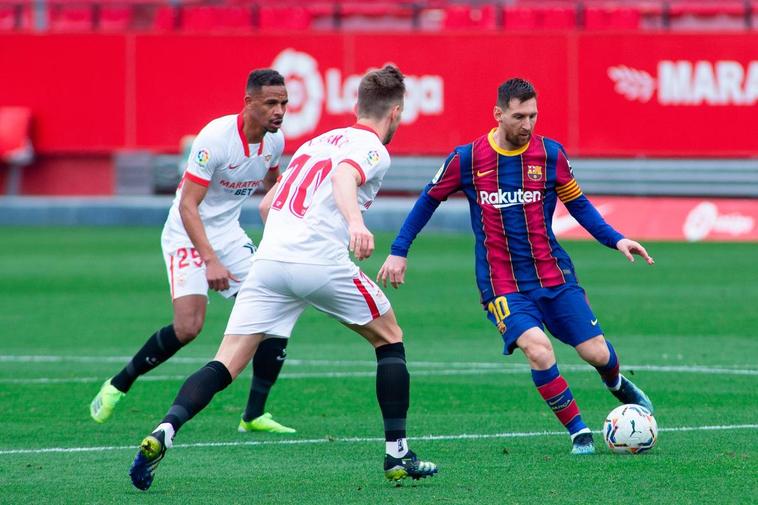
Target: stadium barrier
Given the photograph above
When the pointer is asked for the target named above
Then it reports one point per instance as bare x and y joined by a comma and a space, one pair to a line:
409, 174
643, 218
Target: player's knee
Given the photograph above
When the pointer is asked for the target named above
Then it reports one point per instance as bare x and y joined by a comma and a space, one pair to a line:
188, 330
389, 334
539, 352
594, 351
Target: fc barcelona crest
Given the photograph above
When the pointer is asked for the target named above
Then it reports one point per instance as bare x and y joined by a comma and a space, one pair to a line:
534, 172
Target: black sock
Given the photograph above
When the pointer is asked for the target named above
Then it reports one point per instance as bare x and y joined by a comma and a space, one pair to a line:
196, 393
159, 347
267, 363
392, 389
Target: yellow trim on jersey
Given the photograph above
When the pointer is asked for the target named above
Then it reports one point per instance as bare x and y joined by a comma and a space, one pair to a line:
569, 191
505, 152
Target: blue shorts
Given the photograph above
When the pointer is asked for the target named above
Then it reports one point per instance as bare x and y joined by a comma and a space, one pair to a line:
564, 309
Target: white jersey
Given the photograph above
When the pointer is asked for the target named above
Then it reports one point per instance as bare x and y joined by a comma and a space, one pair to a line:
304, 224
231, 169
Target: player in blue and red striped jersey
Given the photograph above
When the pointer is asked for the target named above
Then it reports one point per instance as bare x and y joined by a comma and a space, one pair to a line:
513, 179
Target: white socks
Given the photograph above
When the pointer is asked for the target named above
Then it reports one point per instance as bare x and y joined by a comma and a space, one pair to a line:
168, 440
397, 448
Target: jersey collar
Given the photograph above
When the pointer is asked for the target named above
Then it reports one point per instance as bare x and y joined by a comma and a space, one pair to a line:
505, 152
245, 145
359, 126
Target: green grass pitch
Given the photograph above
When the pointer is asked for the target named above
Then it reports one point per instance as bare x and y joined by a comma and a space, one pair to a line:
76, 302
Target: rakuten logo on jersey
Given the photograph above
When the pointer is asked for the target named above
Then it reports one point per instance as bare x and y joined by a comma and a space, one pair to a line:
501, 199
684, 82
309, 93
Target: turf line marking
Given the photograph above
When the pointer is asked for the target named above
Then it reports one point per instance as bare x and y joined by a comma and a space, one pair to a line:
461, 436
751, 369
501, 370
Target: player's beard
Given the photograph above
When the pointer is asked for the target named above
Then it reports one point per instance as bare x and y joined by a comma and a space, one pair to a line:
390, 133
517, 140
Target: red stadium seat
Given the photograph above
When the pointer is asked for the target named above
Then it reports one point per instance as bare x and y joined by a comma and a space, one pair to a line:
205, 19
7, 18
468, 17
284, 18
71, 18
165, 18
15, 127
553, 16
375, 15
612, 18
115, 18
558, 18
623, 15
520, 18
707, 15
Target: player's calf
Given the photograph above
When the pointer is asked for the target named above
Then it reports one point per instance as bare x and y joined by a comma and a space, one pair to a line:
619, 386
556, 392
161, 345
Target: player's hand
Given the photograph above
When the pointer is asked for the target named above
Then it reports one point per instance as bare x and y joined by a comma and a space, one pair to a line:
361, 241
394, 268
218, 276
629, 247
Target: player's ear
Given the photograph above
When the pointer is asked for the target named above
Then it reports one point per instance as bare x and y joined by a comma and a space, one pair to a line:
497, 112
397, 111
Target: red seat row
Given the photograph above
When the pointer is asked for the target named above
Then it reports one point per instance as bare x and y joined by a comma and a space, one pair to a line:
246, 15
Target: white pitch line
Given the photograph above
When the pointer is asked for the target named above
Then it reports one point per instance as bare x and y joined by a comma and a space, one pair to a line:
751, 369
503, 370
460, 436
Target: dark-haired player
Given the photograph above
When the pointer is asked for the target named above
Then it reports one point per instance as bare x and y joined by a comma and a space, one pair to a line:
205, 247
313, 219
513, 179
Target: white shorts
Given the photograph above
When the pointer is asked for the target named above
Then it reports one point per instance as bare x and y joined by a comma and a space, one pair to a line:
275, 293
186, 271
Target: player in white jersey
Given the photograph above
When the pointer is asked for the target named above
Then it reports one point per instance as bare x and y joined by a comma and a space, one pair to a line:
205, 247
313, 217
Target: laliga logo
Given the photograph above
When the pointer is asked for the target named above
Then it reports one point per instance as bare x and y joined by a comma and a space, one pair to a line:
690, 83
705, 218
309, 93
305, 91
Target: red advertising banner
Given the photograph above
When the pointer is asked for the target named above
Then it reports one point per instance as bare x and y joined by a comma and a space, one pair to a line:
660, 218
667, 95
451, 83
626, 94
75, 86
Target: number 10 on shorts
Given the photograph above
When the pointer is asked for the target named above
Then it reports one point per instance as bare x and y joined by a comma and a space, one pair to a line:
499, 310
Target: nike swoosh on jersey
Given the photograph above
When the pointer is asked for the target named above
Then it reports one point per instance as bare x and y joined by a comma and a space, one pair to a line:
232, 167
504, 205
482, 174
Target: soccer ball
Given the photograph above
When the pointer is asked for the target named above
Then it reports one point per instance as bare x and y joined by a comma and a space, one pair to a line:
630, 429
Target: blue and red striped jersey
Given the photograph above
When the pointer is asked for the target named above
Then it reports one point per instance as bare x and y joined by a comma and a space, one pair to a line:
512, 197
